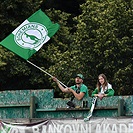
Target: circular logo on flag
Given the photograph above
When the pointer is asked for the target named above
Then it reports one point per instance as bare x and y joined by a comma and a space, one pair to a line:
31, 35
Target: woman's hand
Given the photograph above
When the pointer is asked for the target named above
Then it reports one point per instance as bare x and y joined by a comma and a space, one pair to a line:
100, 96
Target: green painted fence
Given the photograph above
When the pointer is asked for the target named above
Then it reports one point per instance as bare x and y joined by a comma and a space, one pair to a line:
41, 104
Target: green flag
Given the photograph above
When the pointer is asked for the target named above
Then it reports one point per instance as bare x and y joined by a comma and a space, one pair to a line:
30, 36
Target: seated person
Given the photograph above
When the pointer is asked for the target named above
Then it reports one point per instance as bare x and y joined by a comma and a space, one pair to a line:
103, 88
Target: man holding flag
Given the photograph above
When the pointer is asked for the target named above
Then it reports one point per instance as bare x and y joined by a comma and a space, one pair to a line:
79, 90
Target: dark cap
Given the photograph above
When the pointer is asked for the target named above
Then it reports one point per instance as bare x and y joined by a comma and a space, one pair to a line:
80, 76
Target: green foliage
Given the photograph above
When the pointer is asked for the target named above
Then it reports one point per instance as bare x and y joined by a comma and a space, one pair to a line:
14, 12
104, 33
14, 72
99, 40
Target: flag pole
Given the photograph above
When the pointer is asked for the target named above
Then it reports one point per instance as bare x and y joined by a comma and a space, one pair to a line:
45, 72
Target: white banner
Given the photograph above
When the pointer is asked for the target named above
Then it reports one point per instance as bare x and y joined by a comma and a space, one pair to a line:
95, 125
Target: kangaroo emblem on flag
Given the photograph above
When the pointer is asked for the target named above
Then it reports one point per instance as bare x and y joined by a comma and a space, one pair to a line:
31, 35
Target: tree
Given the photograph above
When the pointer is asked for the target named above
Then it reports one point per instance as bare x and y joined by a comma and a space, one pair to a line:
104, 34
14, 72
96, 40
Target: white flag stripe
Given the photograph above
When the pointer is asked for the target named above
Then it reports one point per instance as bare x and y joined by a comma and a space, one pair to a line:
24, 23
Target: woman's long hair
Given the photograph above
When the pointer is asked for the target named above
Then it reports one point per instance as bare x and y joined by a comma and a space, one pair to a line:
99, 84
